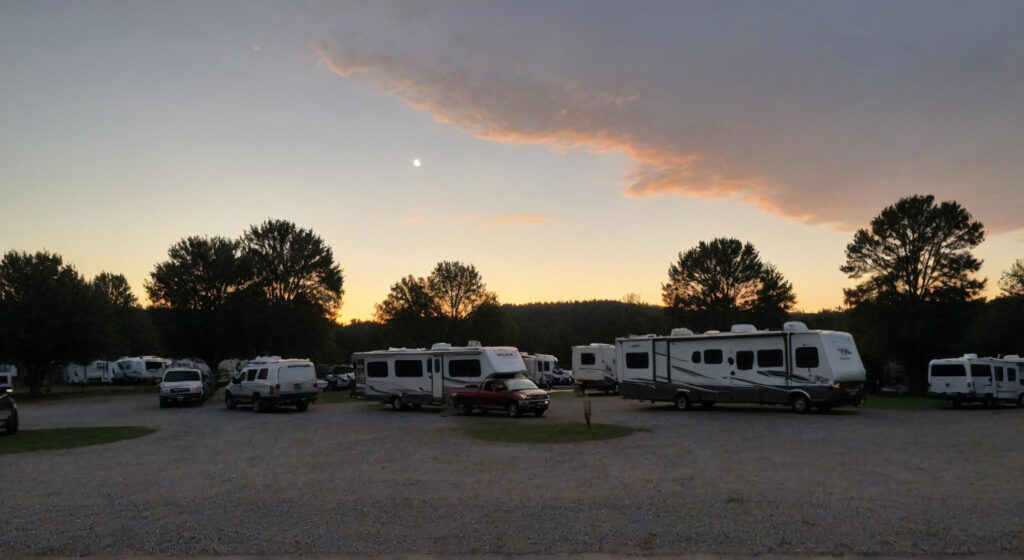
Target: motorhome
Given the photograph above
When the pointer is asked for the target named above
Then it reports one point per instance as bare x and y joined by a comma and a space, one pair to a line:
409, 377
101, 371
970, 379
794, 366
540, 368
593, 367
143, 369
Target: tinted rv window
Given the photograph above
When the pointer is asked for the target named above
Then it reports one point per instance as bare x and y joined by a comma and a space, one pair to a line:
262, 374
999, 373
408, 368
744, 359
949, 370
980, 370
250, 375
1011, 374
464, 368
769, 358
712, 356
430, 364
587, 359
696, 357
807, 357
637, 360
376, 369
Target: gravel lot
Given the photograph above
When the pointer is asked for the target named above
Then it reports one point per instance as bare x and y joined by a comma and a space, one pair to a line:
358, 479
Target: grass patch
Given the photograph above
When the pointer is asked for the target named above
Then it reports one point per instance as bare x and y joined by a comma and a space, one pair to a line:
530, 432
335, 397
80, 391
68, 438
875, 402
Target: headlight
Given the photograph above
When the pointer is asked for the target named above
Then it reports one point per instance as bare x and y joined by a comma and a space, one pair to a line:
164, 390
836, 385
196, 388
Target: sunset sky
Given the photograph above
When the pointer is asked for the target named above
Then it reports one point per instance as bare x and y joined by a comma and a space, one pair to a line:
569, 150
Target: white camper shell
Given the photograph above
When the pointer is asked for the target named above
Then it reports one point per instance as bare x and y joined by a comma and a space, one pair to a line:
795, 366
409, 377
970, 379
593, 367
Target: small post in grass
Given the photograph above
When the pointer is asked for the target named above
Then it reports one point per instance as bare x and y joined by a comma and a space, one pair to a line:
586, 408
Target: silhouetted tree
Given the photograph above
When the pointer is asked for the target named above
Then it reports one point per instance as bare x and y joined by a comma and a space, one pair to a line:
409, 298
49, 314
116, 289
724, 281
1011, 282
199, 274
290, 264
916, 264
458, 291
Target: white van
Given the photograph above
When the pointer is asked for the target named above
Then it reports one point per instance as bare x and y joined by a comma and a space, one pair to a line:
273, 383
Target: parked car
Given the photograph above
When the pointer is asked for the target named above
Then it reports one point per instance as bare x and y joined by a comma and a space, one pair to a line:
339, 381
561, 377
512, 393
182, 385
8, 411
273, 383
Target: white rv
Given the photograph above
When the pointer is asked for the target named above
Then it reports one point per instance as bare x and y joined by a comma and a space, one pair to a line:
101, 371
144, 369
540, 368
593, 367
795, 366
410, 377
972, 379
73, 374
7, 374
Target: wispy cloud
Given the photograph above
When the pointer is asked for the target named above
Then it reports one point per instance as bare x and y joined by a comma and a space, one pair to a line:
492, 221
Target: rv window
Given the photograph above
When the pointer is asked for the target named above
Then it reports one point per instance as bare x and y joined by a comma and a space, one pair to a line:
1011, 374
376, 369
696, 357
769, 358
263, 374
949, 370
430, 365
437, 365
464, 368
587, 359
637, 360
999, 373
980, 370
712, 356
807, 357
744, 359
408, 368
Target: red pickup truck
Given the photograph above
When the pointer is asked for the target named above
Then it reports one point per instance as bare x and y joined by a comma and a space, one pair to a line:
514, 395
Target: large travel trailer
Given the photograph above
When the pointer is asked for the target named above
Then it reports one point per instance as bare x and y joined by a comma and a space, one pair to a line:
144, 369
593, 367
795, 366
540, 368
409, 377
101, 371
970, 379
73, 374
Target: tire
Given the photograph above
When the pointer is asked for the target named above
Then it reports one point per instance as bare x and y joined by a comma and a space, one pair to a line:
463, 408
512, 408
398, 404
229, 401
1020, 400
257, 406
12, 425
539, 413
302, 406
682, 401
800, 404
163, 403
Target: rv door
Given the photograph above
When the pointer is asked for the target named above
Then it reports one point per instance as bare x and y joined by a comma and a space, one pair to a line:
436, 376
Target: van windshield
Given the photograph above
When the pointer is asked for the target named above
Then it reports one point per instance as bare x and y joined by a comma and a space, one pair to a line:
296, 373
173, 376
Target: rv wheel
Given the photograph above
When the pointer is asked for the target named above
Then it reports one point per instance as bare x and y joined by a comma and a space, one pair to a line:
801, 404
682, 402
12, 425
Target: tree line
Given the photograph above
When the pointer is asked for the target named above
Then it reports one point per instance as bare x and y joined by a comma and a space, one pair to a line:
277, 289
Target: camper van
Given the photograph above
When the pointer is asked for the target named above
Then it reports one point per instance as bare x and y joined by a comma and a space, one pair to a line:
795, 366
144, 369
593, 366
971, 379
410, 377
540, 368
273, 383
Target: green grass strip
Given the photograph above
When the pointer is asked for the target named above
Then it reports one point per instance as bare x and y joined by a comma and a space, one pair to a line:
529, 431
68, 438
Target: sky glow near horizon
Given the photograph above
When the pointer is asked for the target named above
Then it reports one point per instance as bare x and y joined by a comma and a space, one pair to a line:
569, 150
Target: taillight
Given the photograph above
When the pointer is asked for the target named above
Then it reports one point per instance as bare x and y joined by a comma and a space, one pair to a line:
274, 388
968, 383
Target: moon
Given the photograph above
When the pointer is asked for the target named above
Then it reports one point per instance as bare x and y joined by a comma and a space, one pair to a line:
416, 162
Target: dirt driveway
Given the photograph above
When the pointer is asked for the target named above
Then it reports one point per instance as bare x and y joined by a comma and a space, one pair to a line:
358, 479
